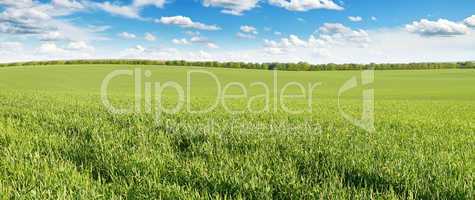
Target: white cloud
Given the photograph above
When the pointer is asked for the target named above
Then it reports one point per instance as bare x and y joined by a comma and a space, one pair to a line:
233, 7
129, 11
182, 41
140, 52
205, 41
374, 18
296, 41
391, 45
204, 55
245, 36
69, 4
44, 20
186, 22
305, 5
150, 37
338, 34
277, 33
18, 3
286, 44
80, 46
30, 20
192, 33
355, 18
248, 32
9, 46
470, 21
386, 46
333, 28
142, 3
274, 50
52, 36
74, 48
127, 35
124, 11
330, 36
249, 29
199, 39
9, 51
138, 48
133, 52
196, 40
212, 45
441, 27
322, 52
50, 48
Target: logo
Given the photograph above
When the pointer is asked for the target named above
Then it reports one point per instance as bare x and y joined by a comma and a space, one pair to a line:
366, 121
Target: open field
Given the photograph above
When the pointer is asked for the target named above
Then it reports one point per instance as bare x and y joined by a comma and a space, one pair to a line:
57, 139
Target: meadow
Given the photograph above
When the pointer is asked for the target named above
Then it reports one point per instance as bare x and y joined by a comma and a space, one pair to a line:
58, 141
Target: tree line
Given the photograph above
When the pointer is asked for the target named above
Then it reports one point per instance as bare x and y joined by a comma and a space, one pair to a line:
300, 66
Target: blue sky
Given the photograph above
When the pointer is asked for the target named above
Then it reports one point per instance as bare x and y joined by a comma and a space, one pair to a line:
315, 31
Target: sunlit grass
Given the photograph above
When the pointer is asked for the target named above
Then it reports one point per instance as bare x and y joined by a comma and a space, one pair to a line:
58, 141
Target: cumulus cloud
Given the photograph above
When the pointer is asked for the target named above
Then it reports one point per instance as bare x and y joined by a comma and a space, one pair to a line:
44, 20
204, 55
150, 37
74, 47
192, 33
68, 4
80, 46
9, 51
50, 48
203, 41
161, 53
322, 52
470, 21
249, 29
199, 39
137, 48
232, 7
306, 5
441, 27
127, 35
247, 32
52, 36
186, 22
8, 46
142, 3
124, 11
333, 28
25, 20
18, 4
129, 11
330, 35
182, 41
245, 36
212, 45
287, 44
338, 34
355, 18
374, 18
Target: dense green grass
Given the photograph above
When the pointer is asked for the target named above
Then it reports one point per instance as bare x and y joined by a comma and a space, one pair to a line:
58, 141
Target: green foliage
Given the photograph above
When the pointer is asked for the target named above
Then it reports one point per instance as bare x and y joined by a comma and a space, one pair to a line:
301, 66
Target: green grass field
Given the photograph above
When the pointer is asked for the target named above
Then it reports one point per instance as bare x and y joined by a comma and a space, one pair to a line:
58, 141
